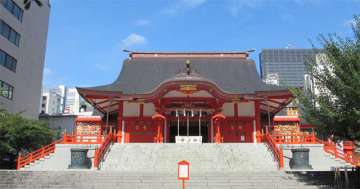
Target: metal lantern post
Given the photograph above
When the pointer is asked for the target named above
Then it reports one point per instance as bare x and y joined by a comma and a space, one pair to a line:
200, 122
178, 123
187, 128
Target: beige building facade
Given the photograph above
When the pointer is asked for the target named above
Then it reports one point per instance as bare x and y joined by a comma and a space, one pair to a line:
23, 36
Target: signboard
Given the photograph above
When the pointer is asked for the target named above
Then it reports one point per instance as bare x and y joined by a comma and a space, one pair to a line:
89, 128
242, 138
188, 139
183, 170
188, 89
88, 125
272, 79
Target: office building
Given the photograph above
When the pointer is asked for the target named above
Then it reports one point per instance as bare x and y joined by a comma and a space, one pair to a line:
23, 35
285, 67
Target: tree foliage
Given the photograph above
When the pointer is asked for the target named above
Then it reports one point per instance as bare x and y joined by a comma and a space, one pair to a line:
21, 135
334, 105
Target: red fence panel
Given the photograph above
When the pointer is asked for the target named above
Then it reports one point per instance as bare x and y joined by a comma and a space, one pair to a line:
26, 159
100, 152
277, 152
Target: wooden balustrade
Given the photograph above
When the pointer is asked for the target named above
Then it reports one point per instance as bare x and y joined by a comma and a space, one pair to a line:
331, 148
82, 139
277, 152
100, 152
296, 138
26, 159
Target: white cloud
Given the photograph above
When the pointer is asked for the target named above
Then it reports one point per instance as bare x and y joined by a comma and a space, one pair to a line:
235, 7
193, 3
47, 71
307, 2
142, 22
182, 6
133, 40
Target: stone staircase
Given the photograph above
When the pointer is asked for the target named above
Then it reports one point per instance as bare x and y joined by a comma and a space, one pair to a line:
154, 180
203, 158
154, 166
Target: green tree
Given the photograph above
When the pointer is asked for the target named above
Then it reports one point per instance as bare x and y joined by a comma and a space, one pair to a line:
335, 107
20, 135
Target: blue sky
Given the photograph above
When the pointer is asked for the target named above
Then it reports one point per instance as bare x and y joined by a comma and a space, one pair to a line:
86, 37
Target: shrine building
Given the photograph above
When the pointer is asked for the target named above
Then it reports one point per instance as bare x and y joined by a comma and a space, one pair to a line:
182, 97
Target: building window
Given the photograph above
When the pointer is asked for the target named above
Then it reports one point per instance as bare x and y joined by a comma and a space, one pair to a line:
13, 8
6, 90
7, 61
9, 33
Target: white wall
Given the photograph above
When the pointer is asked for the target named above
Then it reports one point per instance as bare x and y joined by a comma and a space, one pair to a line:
228, 109
149, 109
131, 109
244, 109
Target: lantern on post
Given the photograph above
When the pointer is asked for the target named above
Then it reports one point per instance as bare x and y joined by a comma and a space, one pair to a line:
183, 172
159, 121
216, 120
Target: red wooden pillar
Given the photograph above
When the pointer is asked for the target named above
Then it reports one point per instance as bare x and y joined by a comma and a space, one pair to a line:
167, 132
120, 121
141, 115
18, 162
257, 122
236, 110
141, 111
210, 134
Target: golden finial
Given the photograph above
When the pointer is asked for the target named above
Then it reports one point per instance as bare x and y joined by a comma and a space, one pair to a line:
188, 69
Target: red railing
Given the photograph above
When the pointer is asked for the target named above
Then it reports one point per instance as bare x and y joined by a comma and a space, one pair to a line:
296, 138
331, 148
100, 152
277, 152
26, 159
82, 139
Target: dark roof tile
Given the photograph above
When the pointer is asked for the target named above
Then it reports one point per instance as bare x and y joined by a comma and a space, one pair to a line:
232, 75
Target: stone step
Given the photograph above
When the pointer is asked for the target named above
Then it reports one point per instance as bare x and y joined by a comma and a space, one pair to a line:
202, 157
117, 179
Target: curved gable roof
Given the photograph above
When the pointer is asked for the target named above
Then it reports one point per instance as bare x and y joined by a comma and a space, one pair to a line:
144, 75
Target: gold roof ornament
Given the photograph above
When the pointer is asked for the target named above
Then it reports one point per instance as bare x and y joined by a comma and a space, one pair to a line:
188, 68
